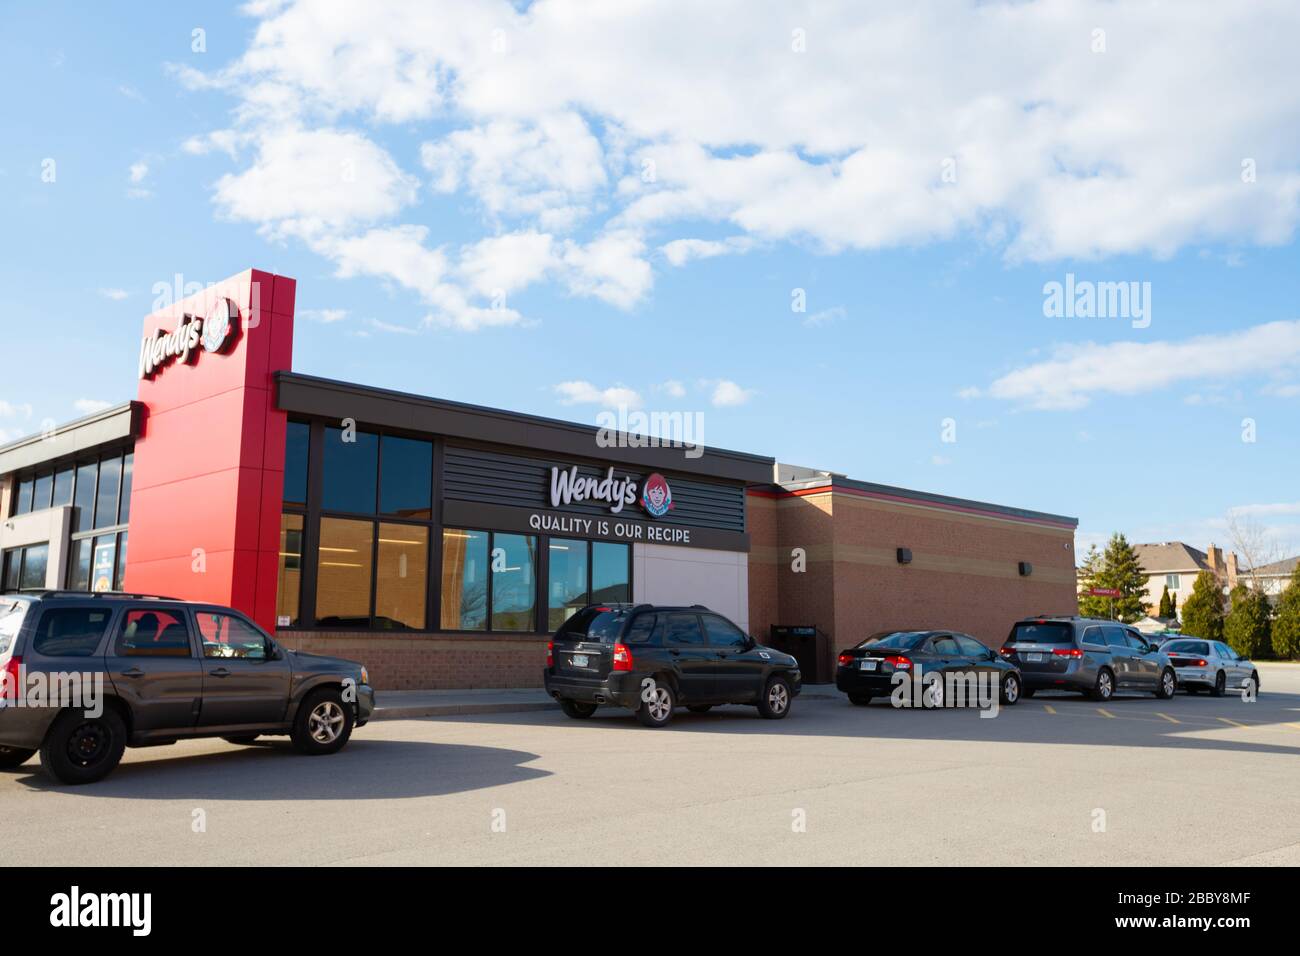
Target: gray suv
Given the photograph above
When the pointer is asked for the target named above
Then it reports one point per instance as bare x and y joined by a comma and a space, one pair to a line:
83, 676
1095, 657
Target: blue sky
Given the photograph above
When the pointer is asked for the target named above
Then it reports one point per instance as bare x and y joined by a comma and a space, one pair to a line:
552, 207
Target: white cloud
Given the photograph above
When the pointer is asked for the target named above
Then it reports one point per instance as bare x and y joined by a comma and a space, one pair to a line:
727, 393
1076, 373
12, 410
506, 263
327, 316
1268, 510
672, 388
681, 251
307, 182
137, 172
940, 461
88, 406
622, 120
826, 316
584, 393
117, 295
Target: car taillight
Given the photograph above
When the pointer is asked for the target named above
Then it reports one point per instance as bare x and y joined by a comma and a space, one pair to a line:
1006, 651
9, 688
622, 658
900, 663
1067, 652
550, 653
1202, 663
845, 660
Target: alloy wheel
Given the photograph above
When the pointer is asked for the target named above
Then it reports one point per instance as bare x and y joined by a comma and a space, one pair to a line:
660, 706
778, 698
325, 722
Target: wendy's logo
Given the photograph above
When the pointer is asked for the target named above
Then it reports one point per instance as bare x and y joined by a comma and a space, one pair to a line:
656, 496
220, 325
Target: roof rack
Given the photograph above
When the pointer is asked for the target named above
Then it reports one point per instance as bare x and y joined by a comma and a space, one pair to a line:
67, 592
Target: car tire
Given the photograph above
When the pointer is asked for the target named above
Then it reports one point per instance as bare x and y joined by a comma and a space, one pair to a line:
1012, 690
1254, 679
1220, 685
1168, 684
14, 757
774, 702
80, 749
1104, 689
577, 709
323, 723
860, 699
700, 708
933, 696
658, 710
241, 741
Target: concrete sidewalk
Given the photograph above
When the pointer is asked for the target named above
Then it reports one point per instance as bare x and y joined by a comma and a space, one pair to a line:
405, 704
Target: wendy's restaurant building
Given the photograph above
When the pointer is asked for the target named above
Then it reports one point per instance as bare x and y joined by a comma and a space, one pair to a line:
441, 543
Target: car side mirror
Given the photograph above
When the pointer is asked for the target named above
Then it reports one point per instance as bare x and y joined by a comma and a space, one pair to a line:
750, 643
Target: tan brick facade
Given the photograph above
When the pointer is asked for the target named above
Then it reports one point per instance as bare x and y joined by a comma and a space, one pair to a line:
964, 572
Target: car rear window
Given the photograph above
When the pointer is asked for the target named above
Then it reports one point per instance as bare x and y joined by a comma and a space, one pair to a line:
1187, 647
11, 622
70, 631
902, 640
1042, 632
594, 624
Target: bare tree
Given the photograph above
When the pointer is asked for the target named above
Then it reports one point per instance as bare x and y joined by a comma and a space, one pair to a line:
1254, 545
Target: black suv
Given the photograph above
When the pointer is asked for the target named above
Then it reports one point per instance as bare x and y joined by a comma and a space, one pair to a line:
650, 658
1096, 657
86, 675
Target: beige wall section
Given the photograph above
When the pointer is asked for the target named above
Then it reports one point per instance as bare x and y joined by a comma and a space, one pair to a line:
52, 526
662, 574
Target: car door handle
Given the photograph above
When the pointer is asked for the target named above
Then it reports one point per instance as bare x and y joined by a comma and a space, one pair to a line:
133, 672
219, 672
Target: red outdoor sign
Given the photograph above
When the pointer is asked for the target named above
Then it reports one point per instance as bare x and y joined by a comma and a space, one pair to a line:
1106, 592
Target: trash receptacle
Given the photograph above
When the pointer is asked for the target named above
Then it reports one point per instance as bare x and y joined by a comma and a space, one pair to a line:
810, 646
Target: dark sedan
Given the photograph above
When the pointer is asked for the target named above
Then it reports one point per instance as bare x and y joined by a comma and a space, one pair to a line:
962, 664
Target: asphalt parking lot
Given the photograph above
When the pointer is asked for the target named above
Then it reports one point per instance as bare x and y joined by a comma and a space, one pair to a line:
1053, 780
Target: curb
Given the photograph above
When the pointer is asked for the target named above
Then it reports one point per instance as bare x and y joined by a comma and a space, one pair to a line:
412, 711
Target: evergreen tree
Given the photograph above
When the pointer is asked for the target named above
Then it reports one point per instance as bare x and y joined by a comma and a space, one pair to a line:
1247, 626
1286, 627
1166, 605
1173, 605
1203, 611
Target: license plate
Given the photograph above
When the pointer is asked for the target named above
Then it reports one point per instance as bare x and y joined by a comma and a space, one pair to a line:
579, 660
868, 665
1034, 658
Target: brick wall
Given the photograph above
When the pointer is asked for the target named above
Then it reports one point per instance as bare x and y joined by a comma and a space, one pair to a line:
433, 661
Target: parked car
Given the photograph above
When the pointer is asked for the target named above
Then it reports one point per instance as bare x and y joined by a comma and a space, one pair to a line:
1209, 665
168, 670
1094, 657
650, 658
868, 670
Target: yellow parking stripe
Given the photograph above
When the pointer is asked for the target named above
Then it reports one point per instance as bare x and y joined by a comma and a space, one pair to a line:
1168, 718
1235, 723
1051, 710
1105, 713
1294, 726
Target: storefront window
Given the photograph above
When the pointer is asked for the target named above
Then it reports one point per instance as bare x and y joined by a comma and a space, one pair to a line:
296, 443
23, 499
110, 480
609, 573
351, 471
79, 566
103, 563
84, 519
344, 566
464, 580
406, 485
403, 579
62, 488
567, 590
34, 561
41, 492
128, 473
121, 562
289, 593
513, 582
13, 565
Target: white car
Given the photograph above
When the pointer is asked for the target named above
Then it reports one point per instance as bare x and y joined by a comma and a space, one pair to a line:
1209, 665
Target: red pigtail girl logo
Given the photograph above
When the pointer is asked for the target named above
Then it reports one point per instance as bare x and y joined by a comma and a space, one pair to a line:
656, 496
